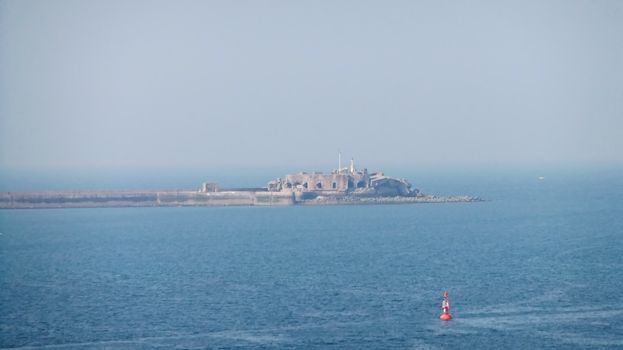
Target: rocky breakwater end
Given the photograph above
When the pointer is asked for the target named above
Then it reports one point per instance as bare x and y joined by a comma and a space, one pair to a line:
356, 200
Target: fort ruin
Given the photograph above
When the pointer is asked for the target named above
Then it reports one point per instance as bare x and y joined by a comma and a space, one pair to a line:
344, 181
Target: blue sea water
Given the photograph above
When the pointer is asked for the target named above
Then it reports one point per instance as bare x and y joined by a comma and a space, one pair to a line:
538, 265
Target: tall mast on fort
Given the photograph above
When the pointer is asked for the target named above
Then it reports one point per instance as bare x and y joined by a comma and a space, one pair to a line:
339, 161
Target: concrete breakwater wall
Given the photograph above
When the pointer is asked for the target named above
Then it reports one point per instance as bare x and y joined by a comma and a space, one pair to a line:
166, 198
187, 198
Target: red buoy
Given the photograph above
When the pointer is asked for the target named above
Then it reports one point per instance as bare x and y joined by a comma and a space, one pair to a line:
445, 308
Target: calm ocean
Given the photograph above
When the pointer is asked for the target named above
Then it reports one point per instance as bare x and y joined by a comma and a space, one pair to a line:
539, 265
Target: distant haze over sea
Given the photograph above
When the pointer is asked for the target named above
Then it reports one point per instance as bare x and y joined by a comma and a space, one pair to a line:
430, 179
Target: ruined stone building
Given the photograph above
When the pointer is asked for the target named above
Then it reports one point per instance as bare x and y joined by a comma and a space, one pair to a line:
347, 181
338, 181
341, 182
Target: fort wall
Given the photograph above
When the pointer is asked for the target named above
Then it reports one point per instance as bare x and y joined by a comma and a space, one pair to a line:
317, 182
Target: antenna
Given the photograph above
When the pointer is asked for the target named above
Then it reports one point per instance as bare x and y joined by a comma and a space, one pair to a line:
339, 161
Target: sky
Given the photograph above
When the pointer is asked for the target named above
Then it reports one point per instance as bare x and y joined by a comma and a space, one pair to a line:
128, 85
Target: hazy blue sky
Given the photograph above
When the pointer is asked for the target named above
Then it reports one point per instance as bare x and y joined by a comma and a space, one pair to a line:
157, 84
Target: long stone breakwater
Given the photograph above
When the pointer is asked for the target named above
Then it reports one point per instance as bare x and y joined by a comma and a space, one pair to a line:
189, 198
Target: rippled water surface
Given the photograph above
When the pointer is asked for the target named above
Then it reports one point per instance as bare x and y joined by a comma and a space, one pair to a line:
537, 266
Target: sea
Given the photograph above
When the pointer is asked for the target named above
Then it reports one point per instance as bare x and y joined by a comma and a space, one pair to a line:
537, 265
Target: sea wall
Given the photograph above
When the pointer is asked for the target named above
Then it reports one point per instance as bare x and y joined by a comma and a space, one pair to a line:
184, 198
167, 198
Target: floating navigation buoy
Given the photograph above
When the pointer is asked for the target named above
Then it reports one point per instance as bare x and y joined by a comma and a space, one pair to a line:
445, 308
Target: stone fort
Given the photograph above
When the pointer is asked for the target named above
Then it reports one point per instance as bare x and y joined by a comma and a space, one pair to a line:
342, 181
